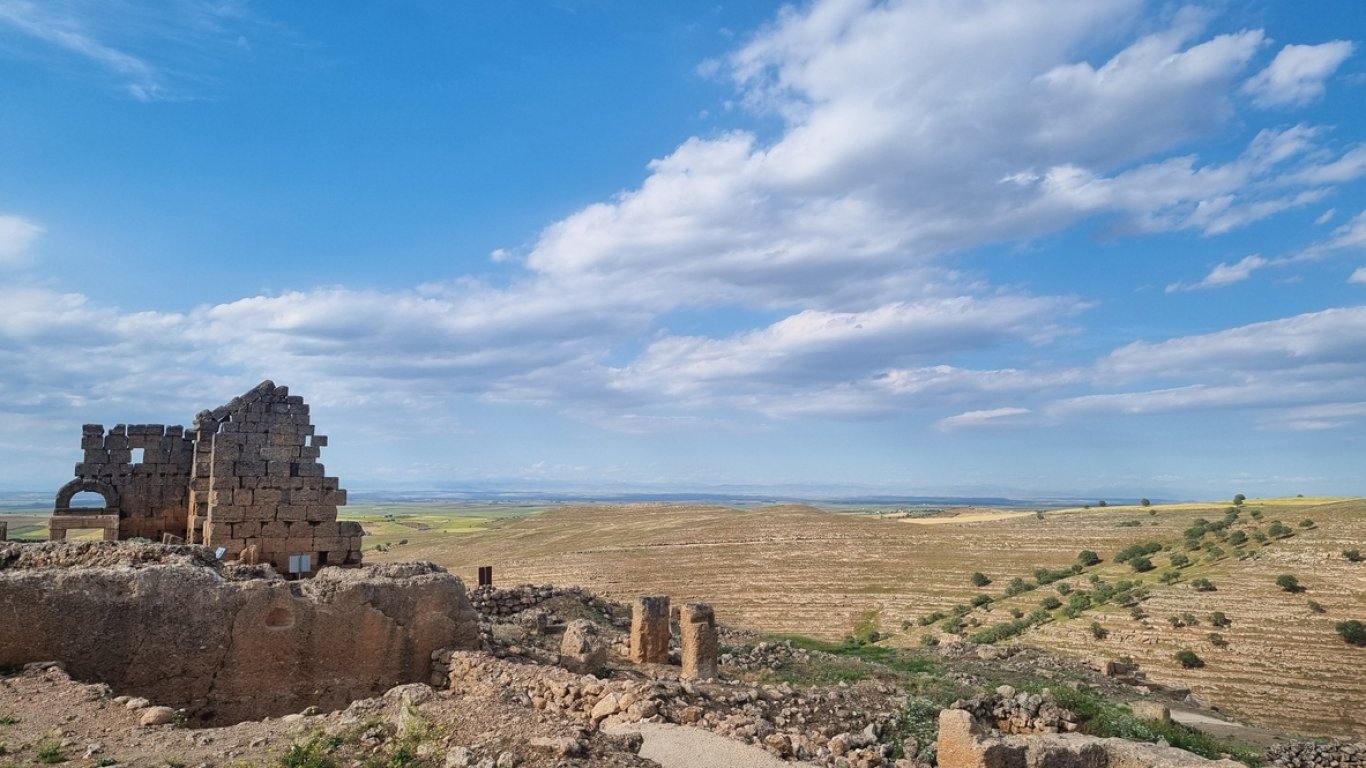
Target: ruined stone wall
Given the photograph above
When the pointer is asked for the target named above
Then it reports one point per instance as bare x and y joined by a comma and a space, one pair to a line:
149, 496
257, 481
185, 632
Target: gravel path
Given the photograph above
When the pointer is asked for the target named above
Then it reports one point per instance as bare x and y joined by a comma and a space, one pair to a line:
677, 746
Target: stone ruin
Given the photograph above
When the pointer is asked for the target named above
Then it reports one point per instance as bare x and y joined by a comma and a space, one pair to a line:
226, 642
244, 477
698, 643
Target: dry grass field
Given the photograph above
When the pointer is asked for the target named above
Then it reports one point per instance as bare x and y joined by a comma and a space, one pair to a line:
796, 569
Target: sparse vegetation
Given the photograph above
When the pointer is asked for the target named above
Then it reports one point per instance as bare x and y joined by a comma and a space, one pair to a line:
1141, 564
980, 579
1352, 555
1352, 630
1218, 619
1278, 530
1217, 640
1088, 557
313, 753
1315, 607
1179, 560
1098, 631
50, 754
1289, 583
1188, 659
1203, 585
1306, 523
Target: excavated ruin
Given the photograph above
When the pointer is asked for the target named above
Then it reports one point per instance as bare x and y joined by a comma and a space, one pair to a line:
226, 642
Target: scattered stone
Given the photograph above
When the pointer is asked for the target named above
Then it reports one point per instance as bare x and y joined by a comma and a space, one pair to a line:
156, 716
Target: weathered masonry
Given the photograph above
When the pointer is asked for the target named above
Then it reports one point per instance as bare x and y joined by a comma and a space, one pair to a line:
244, 477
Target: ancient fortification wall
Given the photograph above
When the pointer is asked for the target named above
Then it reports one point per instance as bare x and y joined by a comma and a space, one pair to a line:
228, 643
244, 478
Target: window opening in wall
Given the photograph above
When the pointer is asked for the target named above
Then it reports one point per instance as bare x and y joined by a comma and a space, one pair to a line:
322, 559
87, 500
137, 455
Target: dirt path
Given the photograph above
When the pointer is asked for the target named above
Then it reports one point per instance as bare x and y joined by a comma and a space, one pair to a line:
1224, 729
677, 746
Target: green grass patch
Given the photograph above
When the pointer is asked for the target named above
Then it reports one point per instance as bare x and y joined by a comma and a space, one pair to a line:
1107, 719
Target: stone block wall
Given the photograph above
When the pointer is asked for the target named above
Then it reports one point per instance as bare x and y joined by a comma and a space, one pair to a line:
141, 470
257, 482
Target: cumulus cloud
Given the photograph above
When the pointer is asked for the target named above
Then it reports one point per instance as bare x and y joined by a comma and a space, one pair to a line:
1358, 277
1296, 76
16, 235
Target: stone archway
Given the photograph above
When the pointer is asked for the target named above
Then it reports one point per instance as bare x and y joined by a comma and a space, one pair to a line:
69, 491
64, 518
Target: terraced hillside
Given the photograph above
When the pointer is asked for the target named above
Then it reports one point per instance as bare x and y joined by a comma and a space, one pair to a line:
804, 570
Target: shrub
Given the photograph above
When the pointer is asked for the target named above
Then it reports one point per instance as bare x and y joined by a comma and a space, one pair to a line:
1289, 583
1188, 619
1188, 660
1256, 514
1214, 553
1203, 585
1088, 557
980, 579
1306, 523
1050, 603
929, 641
1016, 613
1352, 555
1218, 619
1064, 589
50, 754
1141, 564
1237, 538
1238, 499
309, 754
952, 625
1137, 550
1315, 607
1175, 621
930, 618
1217, 640
1129, 524
1099, 632
1352, 631
1279, 530
1136, 613
1169, 577
1018, 586
1179, 560
981, 600
1048, 575
1144, 503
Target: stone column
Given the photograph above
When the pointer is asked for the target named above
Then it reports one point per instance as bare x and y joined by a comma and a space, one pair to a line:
650, 630
697, 625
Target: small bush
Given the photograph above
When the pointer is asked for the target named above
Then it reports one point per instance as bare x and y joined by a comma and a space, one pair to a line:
1016, 613
1099, 632
1279, 530
309, 754
930, 618
1137, 614
50, 754
1289, 583
1217, 640
1188, 660
1189, 619
1218, 619
1256, 514
1179, 560
929, 641
1050, 603
981, 600
1175, 621
1315, 607
1169, 577
1064, 588
1018, 586
1258, 536
1237, 538
980, 579
1049, 575
1141, 564
1203, 585
1352, 631
1352, 555
1306, 523
1137, 550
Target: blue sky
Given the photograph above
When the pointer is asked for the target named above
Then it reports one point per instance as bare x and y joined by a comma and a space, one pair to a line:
1095, 247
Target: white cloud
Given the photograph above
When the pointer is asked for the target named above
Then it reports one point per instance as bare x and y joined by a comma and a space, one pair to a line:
153, 51
16, 236
1224, 274
1358, 277
1296, 76
993, 417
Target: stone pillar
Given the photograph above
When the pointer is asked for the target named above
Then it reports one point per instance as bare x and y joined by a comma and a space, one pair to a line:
4, 531
697, 627
650, 630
